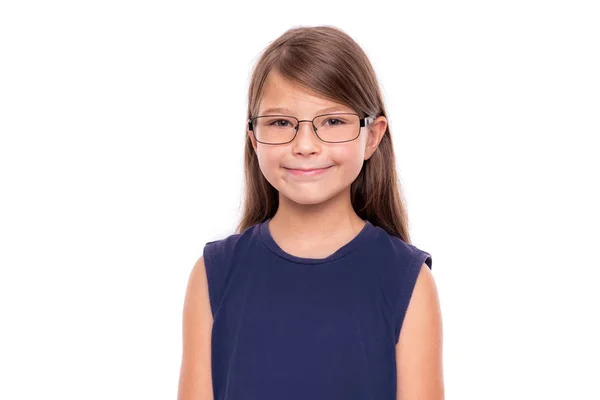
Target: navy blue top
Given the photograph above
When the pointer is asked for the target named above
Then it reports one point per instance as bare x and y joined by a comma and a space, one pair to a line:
288, 327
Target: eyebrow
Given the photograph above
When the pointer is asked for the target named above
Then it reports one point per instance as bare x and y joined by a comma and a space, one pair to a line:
288, 111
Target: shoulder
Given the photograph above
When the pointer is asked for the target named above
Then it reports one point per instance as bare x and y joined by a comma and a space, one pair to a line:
232, 241
219, 251
400, 266
424, 300
220, 258
399, 255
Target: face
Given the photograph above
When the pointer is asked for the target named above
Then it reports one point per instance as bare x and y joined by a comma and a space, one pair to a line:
343, 161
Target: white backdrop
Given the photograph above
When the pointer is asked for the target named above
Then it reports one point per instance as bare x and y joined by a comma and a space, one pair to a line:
122, 130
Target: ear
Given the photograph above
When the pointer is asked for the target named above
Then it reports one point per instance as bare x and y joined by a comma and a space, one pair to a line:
376, 131
251, 136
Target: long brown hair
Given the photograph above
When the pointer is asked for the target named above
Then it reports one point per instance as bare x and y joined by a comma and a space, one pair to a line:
325, 60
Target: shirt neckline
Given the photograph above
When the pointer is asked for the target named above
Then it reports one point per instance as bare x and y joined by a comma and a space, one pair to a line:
360, 238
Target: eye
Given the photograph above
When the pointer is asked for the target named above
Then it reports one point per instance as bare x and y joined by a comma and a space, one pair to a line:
276, 123
335, 119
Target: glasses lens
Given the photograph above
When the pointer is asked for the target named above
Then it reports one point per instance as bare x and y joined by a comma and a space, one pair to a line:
274, 129
338, 127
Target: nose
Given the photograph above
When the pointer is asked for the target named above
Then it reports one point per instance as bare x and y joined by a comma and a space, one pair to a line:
306, 141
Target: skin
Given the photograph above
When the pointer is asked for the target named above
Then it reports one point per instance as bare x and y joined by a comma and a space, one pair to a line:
419, 350
195, 375
315, 218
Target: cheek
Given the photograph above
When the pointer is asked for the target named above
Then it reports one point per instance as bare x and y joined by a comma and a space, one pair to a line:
349, 158
268, 158
269, 162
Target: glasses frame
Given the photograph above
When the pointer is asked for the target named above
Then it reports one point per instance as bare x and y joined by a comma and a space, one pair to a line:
362, 122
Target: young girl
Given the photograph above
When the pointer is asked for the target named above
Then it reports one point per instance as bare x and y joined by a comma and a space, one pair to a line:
319, 294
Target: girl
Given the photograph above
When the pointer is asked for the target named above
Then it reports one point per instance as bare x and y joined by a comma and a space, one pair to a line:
319, 294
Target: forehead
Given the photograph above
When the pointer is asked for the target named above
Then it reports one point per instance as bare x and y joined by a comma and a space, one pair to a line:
281, 96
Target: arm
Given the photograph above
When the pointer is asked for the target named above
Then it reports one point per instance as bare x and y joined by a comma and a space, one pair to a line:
195, 379
419, 348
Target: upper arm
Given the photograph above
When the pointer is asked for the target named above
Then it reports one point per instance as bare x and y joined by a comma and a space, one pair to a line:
419, 348
195, 379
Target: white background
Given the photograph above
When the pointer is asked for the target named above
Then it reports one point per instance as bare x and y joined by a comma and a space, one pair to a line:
122, 130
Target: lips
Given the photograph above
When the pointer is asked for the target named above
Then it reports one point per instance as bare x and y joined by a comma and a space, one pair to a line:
308, 169
307, 172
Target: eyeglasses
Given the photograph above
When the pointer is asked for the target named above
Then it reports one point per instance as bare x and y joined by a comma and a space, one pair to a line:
330, 128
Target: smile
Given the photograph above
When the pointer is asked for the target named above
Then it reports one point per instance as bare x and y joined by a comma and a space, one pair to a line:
310, 172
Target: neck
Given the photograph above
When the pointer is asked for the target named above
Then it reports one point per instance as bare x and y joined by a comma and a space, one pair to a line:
333, 219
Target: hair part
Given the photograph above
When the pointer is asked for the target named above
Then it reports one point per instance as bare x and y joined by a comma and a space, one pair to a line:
327, 61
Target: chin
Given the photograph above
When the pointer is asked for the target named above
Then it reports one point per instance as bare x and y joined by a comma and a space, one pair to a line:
307, 197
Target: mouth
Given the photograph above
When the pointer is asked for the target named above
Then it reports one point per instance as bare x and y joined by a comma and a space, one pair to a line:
307, 172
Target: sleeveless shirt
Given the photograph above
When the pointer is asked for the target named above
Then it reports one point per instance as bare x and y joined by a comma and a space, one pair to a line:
289, 327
